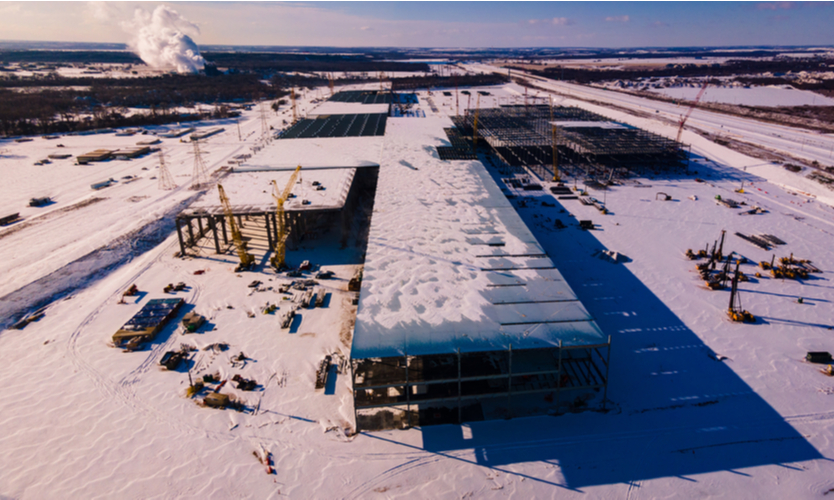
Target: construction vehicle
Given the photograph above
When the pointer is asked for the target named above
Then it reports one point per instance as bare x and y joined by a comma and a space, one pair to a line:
735, 311
691, 108
355, 283
306, 298
278, 260
172, 359
246, 258
192, 321
286, 320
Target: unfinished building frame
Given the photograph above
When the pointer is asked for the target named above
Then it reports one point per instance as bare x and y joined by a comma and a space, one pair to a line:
588, 144
456, 387
195, 224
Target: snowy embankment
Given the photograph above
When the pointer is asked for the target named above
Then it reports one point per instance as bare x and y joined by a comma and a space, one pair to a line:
752, 96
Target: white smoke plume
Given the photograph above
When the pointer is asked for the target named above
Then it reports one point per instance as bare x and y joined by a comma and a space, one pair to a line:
163, 40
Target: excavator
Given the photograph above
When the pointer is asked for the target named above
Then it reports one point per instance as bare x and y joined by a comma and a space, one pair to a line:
246, 258
278, 260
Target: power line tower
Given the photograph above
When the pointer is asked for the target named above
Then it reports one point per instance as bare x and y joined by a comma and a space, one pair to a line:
294, 111
264, 124
199, 178
166, 180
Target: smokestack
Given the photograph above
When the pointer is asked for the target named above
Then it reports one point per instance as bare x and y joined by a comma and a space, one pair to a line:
163, 40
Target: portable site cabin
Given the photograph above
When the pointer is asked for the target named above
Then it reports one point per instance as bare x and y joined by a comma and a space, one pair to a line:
97, 155
131, 152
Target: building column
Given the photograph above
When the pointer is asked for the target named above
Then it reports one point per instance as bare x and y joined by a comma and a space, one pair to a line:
179, 236
269, 238
213, 226
190, 233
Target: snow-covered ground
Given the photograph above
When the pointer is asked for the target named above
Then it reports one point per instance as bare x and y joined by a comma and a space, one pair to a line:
702, 406
753, 96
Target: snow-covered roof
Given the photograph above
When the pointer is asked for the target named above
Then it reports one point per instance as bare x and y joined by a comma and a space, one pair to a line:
329, 151
251, 192
347, 108
450, 265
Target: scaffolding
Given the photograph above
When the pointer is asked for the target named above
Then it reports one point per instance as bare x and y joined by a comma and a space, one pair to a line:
522, 135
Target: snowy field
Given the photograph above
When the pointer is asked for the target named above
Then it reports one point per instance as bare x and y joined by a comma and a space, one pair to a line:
701, 406
753, 96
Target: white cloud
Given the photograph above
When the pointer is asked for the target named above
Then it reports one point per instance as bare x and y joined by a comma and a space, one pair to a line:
617, 19
100, 11
562, 21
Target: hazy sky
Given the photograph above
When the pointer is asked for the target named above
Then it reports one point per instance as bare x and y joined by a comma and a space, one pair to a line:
441, 24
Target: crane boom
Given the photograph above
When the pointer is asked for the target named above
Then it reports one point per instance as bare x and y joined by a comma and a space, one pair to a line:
246, 259
691, 108
279, 259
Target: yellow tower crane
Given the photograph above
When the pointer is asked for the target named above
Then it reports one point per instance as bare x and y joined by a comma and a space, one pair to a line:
246, 258
475, 124
294, 111
278, 260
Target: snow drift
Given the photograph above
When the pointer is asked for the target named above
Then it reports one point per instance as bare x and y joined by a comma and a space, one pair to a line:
163, 40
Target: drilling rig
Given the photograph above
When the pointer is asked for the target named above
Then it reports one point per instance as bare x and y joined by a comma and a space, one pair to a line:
735, 311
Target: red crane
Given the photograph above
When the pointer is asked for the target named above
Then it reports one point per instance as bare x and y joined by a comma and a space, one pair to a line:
691, 108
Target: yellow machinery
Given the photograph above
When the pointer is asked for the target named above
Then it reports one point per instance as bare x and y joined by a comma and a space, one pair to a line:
475, 125
294, 111
735, 311
278, 260
246, 258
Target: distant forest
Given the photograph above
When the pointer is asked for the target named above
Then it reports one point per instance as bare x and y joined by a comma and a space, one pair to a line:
57, 104
241, 61
49, 103
45, 104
